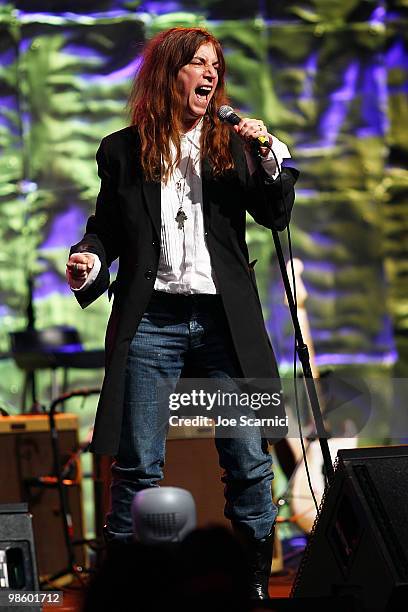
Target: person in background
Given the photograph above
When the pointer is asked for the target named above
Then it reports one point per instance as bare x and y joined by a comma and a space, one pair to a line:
176, 185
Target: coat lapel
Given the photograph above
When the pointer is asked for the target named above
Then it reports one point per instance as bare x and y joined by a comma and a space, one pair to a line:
206, 175
152, 200
151, 190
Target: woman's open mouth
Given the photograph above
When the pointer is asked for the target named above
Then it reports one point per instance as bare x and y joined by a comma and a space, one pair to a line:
202, 93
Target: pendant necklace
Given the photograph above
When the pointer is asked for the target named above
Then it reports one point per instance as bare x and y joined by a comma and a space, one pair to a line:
180, 189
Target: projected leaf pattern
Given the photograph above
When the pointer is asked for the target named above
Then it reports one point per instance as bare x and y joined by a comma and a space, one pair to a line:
329, 78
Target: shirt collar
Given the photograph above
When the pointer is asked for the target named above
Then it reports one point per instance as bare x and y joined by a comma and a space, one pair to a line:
193, 136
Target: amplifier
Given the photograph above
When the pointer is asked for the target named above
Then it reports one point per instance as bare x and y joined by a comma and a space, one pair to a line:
26, 460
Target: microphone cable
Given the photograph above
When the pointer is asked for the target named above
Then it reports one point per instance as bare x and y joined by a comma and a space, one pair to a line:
292, 269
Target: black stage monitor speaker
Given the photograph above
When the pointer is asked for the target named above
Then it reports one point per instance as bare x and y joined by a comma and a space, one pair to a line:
359, 545
18, 566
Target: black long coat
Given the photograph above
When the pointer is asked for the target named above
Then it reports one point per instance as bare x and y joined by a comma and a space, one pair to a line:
126, 224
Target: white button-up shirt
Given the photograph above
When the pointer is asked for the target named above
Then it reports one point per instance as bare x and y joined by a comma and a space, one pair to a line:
184, 264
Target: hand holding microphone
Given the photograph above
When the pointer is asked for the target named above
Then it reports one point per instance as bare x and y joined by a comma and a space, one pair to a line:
250, 130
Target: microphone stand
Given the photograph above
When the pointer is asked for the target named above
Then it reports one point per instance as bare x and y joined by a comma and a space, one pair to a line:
301, 348
59, 476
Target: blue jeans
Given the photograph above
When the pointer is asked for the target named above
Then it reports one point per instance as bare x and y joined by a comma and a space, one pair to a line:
176, 331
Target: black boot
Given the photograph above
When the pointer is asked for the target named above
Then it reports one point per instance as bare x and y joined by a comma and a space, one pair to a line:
114, 546
259, 555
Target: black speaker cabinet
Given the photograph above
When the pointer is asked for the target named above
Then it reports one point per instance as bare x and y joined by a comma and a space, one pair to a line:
359, 545
18, 566
25, 456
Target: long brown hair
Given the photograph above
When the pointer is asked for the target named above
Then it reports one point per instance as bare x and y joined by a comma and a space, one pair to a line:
155, 104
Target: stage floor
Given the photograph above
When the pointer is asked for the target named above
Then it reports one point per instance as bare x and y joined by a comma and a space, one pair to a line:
280, 584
